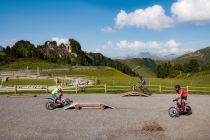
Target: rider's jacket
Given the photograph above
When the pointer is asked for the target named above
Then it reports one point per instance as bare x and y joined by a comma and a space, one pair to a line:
55, 91
181, 91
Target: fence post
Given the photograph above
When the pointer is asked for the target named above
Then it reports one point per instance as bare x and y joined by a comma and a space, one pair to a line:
47, 89
15, 89
187, 89
96, 80
76, 89
105, 90
160, 88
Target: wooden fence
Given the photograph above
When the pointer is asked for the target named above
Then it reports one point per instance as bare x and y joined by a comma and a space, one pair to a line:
104, 88
154, 88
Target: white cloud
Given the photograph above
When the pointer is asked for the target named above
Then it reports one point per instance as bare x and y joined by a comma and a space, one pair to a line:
191, 10
126, 48
152, 17
60, 40
154, 47
97, 50
108, 29
126, 45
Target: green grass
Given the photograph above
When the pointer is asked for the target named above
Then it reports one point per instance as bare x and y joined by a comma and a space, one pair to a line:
13, 82
108, 76
31, 64
142, 66
2, 53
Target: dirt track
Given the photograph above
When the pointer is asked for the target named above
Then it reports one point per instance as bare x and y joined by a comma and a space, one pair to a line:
24, 118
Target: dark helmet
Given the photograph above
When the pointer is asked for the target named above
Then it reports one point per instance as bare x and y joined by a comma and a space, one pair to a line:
177, 87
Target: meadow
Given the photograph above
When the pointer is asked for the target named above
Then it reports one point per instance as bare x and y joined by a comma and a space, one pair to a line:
109, 80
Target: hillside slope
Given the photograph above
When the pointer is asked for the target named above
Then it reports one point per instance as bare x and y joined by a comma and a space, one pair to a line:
143, 66
30, 63
202, 55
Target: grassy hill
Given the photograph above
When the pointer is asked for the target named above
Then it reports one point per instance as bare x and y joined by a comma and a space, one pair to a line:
202, 55
104, 75
31, 63
143, 66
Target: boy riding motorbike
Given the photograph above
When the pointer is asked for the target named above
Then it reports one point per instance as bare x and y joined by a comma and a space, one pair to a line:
182, 96
55, 91
142, 81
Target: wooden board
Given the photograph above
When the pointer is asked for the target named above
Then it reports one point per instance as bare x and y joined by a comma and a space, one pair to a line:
134, 93
87, 105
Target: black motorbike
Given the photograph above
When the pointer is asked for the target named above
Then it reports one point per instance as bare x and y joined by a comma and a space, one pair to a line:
58, 103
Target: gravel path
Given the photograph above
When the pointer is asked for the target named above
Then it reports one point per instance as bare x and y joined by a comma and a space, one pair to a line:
25, 118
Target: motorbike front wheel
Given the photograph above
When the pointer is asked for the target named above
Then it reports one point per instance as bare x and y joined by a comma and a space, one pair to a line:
66, 101
173, 112
50, 106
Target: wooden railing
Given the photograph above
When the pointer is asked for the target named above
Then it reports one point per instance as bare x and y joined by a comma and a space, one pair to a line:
103, 88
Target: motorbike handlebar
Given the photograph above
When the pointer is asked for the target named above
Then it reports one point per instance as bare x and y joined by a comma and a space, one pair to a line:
175, 100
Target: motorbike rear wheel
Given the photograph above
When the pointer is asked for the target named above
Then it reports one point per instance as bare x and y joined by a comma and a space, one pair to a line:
189, 110
173, 112
146, 91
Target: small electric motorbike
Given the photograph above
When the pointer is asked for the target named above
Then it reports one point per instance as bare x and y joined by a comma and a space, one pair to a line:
140, 87
177, 109
57, 103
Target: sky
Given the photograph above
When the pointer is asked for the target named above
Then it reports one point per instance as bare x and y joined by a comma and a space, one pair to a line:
115, 28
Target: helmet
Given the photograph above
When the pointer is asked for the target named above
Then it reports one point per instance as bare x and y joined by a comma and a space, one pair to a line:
141, 77
177, 87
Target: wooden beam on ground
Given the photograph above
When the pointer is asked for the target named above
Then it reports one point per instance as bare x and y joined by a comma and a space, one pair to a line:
134, 93
86, 105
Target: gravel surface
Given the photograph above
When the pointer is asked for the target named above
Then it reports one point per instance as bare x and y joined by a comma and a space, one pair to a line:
25, 118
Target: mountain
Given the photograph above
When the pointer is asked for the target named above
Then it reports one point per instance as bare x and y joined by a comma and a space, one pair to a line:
1, 48
202, 55
147, 55
152, 56
143, 66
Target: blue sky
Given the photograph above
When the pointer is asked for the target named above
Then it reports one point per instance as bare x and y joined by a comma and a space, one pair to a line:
112, 27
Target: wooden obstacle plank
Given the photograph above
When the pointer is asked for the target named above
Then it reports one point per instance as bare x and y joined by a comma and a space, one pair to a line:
87, 105
134, 93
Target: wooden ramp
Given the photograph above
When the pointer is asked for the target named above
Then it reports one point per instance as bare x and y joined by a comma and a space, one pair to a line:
89, 105
134, 93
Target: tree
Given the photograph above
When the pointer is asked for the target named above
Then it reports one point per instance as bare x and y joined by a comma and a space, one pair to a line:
164, 70
194, 65
178, 67
75, 46
23, 49
8, 51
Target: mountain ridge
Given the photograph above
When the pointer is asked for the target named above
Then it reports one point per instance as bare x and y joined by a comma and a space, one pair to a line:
201, 55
